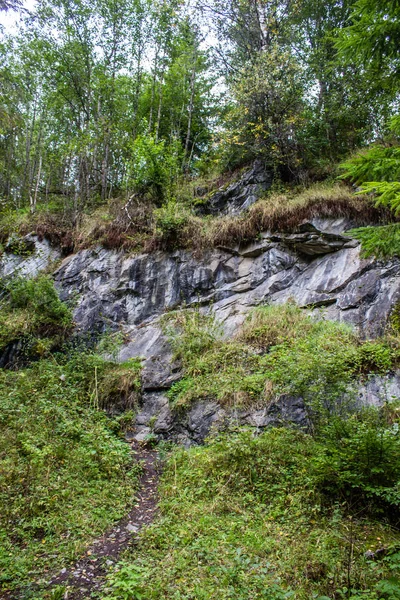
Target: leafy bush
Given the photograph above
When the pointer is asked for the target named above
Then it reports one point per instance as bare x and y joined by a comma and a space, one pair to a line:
360, 464
154, 166
32, 308
170, 220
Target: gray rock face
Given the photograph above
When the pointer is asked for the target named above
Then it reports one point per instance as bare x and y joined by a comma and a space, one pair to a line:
41, 255
317, 266
242, 193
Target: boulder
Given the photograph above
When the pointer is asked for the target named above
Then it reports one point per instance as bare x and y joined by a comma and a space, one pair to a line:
240, 194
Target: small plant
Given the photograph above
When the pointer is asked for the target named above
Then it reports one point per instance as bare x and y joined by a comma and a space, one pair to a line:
126, 582
170, 219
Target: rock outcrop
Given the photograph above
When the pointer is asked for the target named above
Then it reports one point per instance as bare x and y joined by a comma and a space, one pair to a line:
317, 266
37, 255
240, 194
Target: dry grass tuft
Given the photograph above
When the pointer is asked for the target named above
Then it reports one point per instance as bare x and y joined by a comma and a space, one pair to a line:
134, 226
283, 213
276, 213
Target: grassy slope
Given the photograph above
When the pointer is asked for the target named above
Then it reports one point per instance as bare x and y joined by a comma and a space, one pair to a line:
247, 518
280, 349
65, 472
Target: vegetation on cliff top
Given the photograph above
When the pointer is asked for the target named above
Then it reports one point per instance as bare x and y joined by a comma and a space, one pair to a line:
116, 118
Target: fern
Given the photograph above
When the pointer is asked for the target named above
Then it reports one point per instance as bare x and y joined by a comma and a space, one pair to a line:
377, 170
381, 242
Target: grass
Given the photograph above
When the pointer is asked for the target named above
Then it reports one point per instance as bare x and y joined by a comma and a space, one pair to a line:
138, 226
279, 350
251, 518
65, 475
65, 472
286, 514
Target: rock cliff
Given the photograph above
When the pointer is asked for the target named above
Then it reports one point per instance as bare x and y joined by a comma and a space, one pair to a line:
318, 266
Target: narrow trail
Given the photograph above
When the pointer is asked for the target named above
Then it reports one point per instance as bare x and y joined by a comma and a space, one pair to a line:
88, 574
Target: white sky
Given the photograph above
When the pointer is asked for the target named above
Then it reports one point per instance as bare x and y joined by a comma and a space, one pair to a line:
10, 19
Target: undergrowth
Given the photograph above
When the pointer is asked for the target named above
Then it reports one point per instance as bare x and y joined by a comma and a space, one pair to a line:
65, 475
30, 310
65, 472
279, 350
269, 517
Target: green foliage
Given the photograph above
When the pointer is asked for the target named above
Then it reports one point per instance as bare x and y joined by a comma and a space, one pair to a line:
249, 517
377, 172
154, 166
361, 462
381, 242
377, 163
372, 37
65, 475
279, 350
31, 307
170, 219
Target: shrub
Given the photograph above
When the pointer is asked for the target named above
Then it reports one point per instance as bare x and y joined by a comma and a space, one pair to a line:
170, 221
154, 166
31, 309
360, 464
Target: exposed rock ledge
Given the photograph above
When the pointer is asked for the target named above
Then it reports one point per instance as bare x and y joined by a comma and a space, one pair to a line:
316, 266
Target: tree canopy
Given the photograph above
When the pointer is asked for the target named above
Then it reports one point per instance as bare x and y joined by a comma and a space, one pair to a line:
113, 97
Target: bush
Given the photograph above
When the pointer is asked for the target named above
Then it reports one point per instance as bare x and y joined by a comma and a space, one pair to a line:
170, 221
154, 166
360, 464
31, 309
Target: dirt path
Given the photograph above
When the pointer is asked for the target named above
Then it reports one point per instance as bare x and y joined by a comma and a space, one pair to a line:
87, 575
